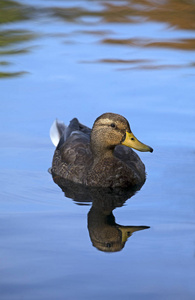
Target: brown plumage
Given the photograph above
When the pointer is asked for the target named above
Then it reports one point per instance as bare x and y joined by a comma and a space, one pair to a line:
99, 157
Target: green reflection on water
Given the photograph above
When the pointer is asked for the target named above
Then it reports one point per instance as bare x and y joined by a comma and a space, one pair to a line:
11, 12
11, 74
9, 37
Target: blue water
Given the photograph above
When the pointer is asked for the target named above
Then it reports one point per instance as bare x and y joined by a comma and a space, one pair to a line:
74, 66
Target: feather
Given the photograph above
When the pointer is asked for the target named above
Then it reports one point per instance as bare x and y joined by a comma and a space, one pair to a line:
57, 130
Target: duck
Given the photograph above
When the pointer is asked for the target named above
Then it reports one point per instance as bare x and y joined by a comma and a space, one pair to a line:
99, 157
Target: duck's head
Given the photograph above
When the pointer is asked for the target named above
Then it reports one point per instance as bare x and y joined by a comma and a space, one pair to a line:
110, 130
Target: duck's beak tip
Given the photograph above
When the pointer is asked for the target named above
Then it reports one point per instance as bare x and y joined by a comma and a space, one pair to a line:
151, 150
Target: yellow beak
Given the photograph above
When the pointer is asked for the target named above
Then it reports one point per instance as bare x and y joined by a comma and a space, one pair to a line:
132, 142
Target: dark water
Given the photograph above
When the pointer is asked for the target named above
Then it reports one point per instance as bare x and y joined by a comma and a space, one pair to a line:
83, 58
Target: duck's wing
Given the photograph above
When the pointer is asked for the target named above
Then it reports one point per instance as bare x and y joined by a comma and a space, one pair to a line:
131, 159
59, 132
73, 155
72, 159
75, 125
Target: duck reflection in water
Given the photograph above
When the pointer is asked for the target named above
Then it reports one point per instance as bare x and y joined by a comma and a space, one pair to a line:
105, 234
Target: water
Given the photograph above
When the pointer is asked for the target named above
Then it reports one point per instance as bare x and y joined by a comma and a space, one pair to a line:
83, 58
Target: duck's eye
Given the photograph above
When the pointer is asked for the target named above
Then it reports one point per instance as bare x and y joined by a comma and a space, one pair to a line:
113, 125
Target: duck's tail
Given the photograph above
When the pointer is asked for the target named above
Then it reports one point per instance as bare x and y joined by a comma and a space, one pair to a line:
57, 130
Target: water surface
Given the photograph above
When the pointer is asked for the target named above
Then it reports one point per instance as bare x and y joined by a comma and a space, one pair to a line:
83, 58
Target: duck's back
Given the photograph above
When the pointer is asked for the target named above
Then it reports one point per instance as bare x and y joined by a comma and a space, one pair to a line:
73, 155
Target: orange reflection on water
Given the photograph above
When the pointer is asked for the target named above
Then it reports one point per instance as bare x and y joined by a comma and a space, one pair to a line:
174, 13
182, 44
